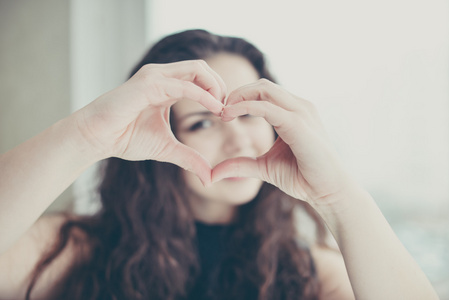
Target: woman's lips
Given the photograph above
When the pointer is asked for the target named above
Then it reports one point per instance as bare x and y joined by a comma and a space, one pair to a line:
235, 178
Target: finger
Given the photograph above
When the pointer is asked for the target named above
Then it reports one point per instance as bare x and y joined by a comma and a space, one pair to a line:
199, 73
236, 167
221, 94
273, 114
286, 124
264, 89
176, 90
190, 160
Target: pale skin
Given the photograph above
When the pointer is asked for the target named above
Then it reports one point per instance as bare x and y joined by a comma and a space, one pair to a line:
218, 141
131, 122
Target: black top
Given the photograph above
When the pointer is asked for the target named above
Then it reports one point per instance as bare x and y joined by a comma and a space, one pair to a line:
213, 244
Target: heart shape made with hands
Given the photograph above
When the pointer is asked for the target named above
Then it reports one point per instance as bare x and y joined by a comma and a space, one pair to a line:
301, 161
242, 166
235, 166
279, 110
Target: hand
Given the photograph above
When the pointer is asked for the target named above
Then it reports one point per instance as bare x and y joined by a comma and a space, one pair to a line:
301, 162
304, 165
132, 121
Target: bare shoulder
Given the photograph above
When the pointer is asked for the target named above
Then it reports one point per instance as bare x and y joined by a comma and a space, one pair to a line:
332, 274
18, 263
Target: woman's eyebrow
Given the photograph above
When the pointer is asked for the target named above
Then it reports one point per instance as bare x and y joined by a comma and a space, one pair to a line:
198, 113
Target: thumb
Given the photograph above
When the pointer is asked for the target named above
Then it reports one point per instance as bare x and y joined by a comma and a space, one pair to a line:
190, 160
237, 167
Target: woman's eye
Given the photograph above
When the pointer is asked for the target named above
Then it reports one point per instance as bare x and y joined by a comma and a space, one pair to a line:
203, 124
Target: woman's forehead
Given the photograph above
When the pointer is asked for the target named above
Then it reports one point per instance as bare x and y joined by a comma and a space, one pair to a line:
235, 70
183, 108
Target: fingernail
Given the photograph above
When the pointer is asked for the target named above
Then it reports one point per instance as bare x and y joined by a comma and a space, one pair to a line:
223, 115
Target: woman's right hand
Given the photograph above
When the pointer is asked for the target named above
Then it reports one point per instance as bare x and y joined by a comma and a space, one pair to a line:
132, 121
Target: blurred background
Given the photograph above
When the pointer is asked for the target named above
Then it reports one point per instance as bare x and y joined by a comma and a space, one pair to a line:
378, 72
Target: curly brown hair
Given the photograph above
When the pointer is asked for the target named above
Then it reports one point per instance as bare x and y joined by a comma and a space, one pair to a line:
142, 242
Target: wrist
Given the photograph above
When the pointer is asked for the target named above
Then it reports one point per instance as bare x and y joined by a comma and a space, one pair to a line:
75, 142
345, 208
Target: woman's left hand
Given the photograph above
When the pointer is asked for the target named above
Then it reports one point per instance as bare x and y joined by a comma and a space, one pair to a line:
302, 162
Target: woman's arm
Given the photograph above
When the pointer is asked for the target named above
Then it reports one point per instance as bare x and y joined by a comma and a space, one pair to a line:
130, 122
19, 261
378, 265
35, 173
334, 280
303, 163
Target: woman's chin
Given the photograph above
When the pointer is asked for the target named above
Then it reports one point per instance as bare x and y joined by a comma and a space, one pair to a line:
231, 191
236, 190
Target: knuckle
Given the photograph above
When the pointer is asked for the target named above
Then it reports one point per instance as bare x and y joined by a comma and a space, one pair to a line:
146, 72
308, 103
187, 89
266, 106
267, 87
148, 68
311, 107
199, 63
186, 85
264, 82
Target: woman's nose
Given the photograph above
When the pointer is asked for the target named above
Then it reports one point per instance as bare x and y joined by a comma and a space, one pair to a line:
236, 137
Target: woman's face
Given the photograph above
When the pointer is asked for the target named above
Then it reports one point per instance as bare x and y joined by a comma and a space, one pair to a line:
217, 141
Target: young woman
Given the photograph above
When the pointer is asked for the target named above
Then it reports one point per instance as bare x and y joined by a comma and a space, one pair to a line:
207, 161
